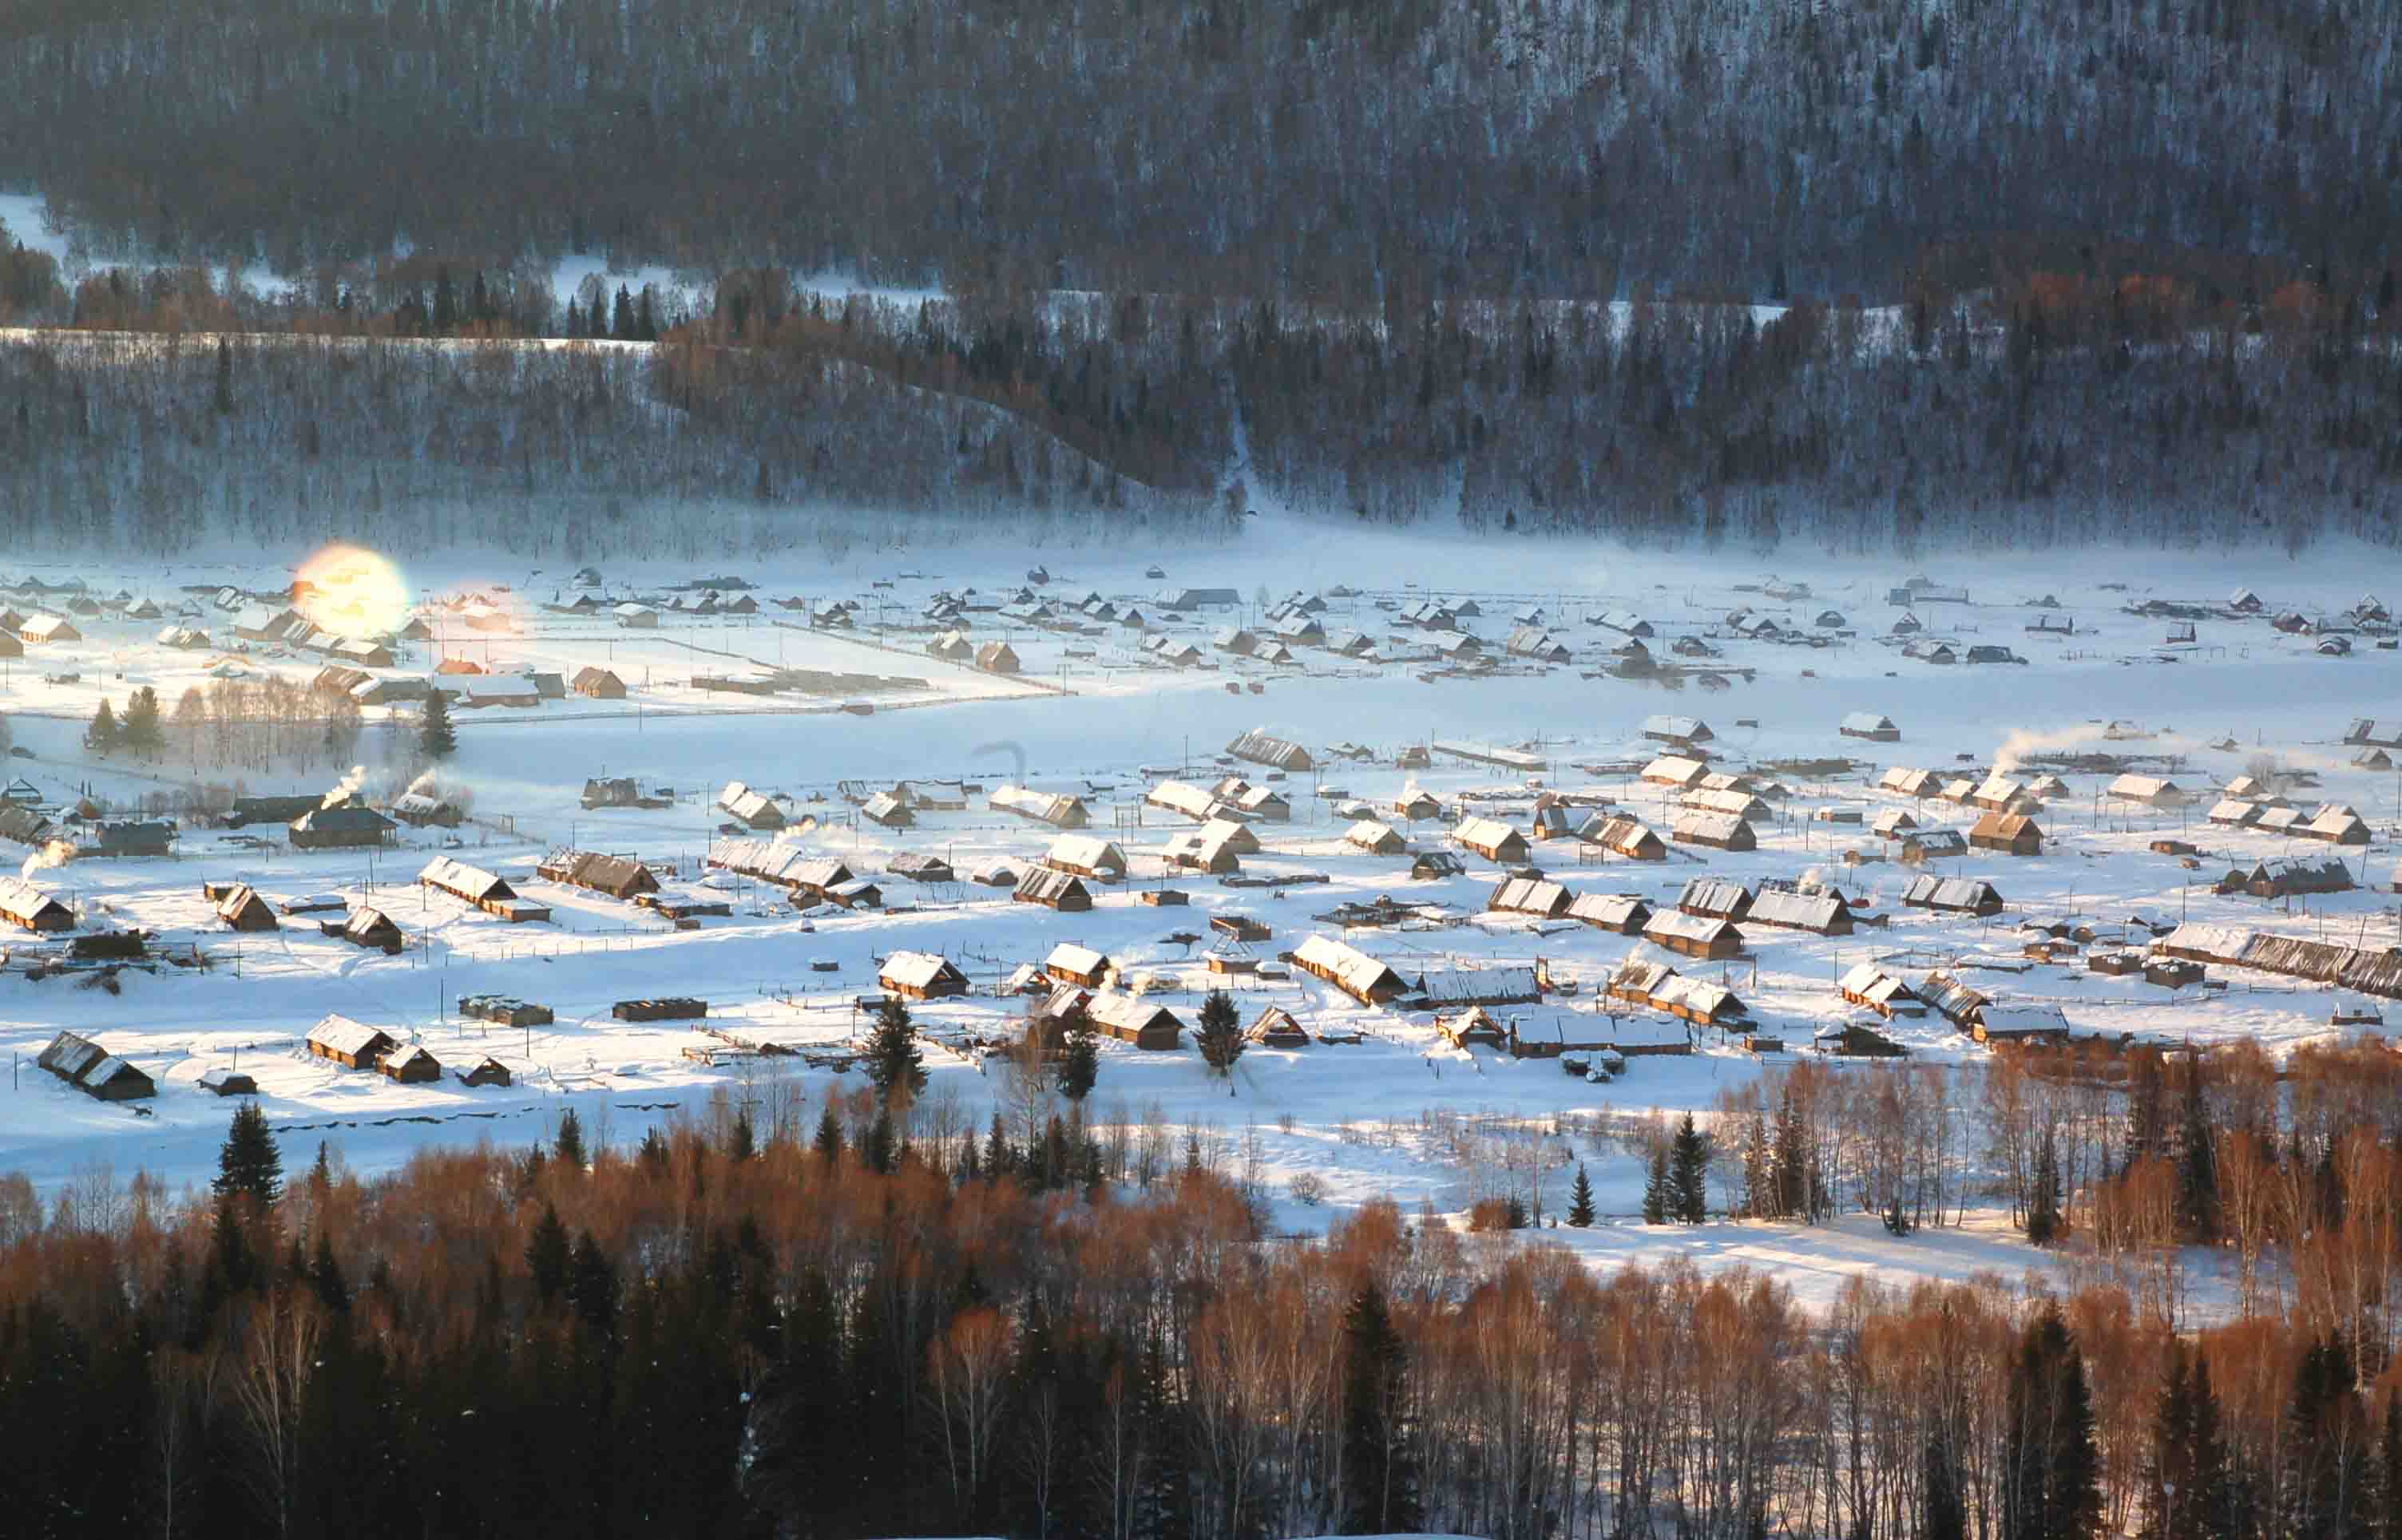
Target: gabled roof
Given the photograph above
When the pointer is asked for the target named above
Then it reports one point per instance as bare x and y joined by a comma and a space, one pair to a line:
917, 970
351, 1039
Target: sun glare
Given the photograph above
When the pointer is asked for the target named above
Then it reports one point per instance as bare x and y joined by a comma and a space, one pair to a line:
352, 592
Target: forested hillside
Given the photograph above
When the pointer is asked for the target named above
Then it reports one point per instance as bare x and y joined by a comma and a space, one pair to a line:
1557, 147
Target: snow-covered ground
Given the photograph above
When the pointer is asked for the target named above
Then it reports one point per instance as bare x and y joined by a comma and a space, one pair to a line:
1090, 714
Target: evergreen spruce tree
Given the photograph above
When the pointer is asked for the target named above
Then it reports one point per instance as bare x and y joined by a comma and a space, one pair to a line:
575, 320
741, 1141
102, 736
878, 1151
1791, 1163
2185, 1474
2043, 1223
1000, 1159
249, 1164
621, 319
1080, 1059
1380, 1492
2325, 1447
592, 1285
1581, 1200
829, 1140
446, 302
1655, 1188
546, 1256
646, 326
436, 737
1690, 1166
653, 1155
139, 729
1219, 1034
326, 1278
568, 1146
2051, 1471
894, 1063
222, 399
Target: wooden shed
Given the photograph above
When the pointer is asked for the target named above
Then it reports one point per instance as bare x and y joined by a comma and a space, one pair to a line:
1718, 831
619, 877
1821, 911
1623, 836
751, 809
1059, 890
487, 1071
1872, 988
242, 909
1474, 1027
998, 657
224, 1080
29, 908
368, 928
1086, 856
1363, 978
1954, 895
1070, 963
1275, 1028
1377, 839
344, 826
410, 1064
598, 684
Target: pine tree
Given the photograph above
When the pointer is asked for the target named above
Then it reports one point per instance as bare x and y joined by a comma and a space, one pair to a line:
249, 1164
103, 734
829, 1139
2325, 1446
653, 1155
1080, 1059
741, 1140
1689, 1164
1791, 1163
436, 740
1581, 1200
592, 1285
646, 326
2185, 1475
2043, 1222
878, 1151
894, 1064
446, 302
1655, 1187
223, 396
568, 1144
1219, 1034
621, 319
326, 1278
1380, 1488
575, 320
546, 1256
1947, 1509
2051, 1472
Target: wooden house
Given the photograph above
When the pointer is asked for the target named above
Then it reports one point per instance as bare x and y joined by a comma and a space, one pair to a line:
1507, 983
751, 809
2336, 824
1872, 988
485, 890
1429, 865
1692, 936
598, 683
1714, 899
921, 976
619, 877
2012, 834
666, 1007
1474, 1027
1417, 805
1528, 896
1821, 911
224, 1080
1259, 747
1129, 1018
344, 826
242, 909
1903, 781
1871, 725
1377, 839
1680, 771
1922, 846
46, 629
1275, 1028
1733, 803
1623, 836
1199, 850
485, 1071
1197, 803
1620, 913
352, 1044
918, 867
1363, 978
1056, 809
887, 810
29, 908
1951, 895
93, 1070
2146, 792
1718, 831
1059, 890
1669, 728
411, 1065
1700, 1002
1492, 839
368, 928
1070, 963
1086, 856
1636, 980
998, 657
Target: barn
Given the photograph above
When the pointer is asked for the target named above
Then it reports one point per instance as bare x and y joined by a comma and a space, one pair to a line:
921, 976
1259, 747
2012, 834
485, 890
1057, 890
368, 928
1492, 839
1692, 936
93, 1070
1872, 726
350, 1043
2146, 791
1718, 831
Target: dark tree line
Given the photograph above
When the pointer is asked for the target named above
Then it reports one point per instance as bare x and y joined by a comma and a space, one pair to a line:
1323, 148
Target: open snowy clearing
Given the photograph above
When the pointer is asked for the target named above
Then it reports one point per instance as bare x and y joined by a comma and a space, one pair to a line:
1365, 1119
